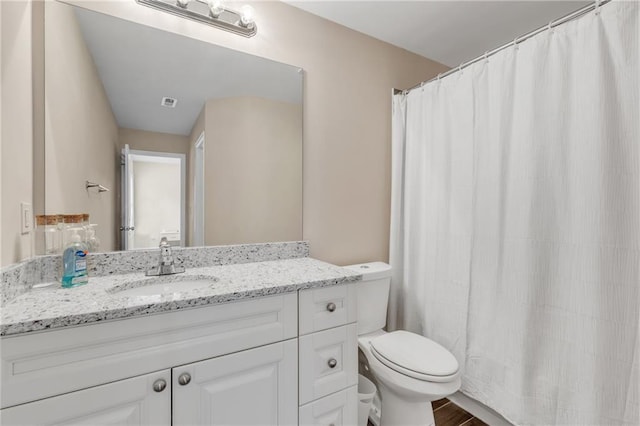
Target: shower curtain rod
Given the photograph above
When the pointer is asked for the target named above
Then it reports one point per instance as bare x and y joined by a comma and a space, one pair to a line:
552, 24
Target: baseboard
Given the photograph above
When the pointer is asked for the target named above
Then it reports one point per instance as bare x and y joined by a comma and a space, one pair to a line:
478, 410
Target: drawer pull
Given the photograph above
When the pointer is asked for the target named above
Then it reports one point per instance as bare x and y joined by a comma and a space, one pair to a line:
159, 385
332, 363
184, 379
331, 307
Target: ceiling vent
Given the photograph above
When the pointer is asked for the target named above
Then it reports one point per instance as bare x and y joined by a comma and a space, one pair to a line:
169, 102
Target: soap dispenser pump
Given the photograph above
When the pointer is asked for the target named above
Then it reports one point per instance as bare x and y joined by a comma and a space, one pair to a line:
74, 262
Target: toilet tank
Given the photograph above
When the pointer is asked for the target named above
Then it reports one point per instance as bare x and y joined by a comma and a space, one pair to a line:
373, 295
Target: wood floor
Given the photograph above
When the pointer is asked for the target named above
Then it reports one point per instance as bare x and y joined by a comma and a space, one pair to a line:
447, 413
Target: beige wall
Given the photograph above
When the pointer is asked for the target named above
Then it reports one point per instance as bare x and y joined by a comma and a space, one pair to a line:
347, 126
16, 169
347, 116
81, 142
144, 140
253, 171
37, 47
2, 35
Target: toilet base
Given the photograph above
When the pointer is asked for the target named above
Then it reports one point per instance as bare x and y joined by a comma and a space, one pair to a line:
396, 410
406, 401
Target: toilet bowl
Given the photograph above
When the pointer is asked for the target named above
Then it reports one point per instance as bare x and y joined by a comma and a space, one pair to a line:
406, 394
410, 370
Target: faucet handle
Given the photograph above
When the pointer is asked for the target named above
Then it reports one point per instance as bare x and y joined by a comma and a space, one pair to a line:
166, 264
166, 258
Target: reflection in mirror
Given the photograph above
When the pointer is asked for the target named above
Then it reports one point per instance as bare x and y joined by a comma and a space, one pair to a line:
198, 143
153, 197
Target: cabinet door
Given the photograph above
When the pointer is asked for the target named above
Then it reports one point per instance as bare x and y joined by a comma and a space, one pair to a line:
253, 387
328, 362
126, 402
338, 409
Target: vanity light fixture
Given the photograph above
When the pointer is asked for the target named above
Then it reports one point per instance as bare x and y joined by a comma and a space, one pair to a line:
212, 12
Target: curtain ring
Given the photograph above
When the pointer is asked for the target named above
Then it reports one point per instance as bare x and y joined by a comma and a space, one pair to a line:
422, 86
597, 7
550, 27
486, 57
515, 44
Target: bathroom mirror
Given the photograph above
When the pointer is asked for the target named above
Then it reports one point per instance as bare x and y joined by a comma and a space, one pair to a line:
185, 139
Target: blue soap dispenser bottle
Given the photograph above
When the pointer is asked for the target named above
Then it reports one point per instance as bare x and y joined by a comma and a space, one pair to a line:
74, 262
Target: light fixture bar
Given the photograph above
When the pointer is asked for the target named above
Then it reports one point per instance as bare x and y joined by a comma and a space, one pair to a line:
198, 10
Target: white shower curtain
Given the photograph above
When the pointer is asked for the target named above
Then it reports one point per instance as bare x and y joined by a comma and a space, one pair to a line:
515, 235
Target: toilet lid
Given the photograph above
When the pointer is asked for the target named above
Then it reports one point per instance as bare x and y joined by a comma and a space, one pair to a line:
415, 356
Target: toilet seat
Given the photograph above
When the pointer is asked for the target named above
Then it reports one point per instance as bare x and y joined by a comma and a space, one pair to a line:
415, 356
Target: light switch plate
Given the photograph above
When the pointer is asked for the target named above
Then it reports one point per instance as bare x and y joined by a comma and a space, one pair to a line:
26, 213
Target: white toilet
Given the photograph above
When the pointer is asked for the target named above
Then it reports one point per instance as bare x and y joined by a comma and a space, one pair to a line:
409, 370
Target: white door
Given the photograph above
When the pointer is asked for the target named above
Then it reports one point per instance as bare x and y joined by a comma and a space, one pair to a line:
126, 402
159, 198
198, 194
252, 387
153, 198
126, 199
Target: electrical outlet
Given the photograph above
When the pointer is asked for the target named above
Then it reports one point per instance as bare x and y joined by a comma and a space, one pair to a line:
26, 214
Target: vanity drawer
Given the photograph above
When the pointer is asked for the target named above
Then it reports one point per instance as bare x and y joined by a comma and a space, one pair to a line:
338, 409
44, 364
328, 362
327, 307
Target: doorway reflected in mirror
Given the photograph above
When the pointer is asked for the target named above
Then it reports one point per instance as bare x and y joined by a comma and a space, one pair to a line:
153, 202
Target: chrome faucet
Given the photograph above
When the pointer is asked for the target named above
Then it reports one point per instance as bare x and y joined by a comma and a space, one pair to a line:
166, 265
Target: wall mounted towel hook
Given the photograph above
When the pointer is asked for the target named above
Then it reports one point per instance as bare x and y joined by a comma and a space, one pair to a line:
101, 188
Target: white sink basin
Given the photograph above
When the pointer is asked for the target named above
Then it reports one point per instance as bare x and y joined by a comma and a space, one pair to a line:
165, 285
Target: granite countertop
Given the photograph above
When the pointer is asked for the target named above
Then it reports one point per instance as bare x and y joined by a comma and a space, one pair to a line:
51, 307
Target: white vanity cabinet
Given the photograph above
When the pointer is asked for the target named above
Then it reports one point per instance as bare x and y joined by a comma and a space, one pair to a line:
246, 362
108, 369
252, 387
328, 350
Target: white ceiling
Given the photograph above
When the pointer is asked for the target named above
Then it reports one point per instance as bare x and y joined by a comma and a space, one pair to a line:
139, 65
449, 32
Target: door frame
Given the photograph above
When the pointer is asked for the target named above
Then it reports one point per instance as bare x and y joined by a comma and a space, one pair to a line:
183, 181
198, 192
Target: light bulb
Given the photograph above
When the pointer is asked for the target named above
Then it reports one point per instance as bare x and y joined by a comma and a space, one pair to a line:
247, 16
216, 7
183, 3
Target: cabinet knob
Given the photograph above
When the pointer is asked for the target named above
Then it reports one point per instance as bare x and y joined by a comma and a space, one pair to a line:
184, 379
332, 363
331, 307
159, 385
